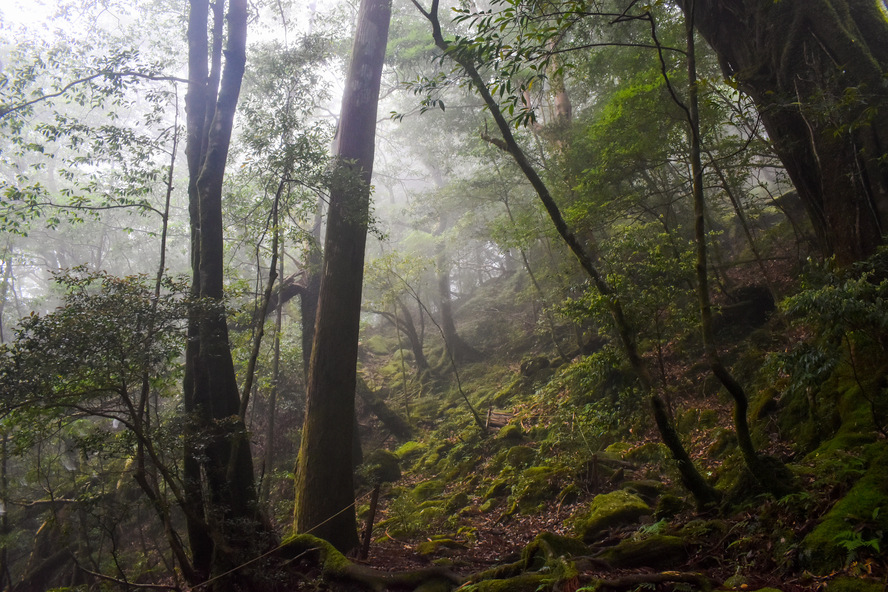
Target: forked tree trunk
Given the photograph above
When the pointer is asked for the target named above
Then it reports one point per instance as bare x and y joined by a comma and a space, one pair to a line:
324, 474
221, 510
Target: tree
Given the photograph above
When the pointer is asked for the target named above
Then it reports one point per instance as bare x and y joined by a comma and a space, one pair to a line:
324, 477
816, 72
223, 524
465, 53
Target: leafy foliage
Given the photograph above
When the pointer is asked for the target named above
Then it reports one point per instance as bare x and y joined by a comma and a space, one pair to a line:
90, 355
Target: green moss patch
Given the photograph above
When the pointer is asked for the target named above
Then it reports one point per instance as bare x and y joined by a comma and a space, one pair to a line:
856, 524
608, 510
657, 551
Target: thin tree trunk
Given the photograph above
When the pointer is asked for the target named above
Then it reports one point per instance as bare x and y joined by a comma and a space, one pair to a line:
760, 470
691, 478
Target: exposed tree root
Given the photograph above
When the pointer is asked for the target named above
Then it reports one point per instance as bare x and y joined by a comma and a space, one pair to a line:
549, 562
336, 568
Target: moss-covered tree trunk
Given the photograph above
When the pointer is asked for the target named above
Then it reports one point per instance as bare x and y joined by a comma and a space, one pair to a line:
816, 71
324, 475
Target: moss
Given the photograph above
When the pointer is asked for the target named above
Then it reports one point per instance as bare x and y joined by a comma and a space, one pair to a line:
518, 386
378, 345
550, 576
333, 563
522, 583
488, 505
699, 529
510, 432
608, 510
848, 584
860, 516
657, 551
535, 486
648, 452
708, 419
764, 404
434, 586
499, 488
723, 441
547, 546
437, 545
428, 489
520, 456
618, 449
456, 502
410, 450
669, 506
646, 489
569, 494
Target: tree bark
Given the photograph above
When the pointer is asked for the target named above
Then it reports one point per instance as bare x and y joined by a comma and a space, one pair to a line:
223, 518
324, 476
815, 69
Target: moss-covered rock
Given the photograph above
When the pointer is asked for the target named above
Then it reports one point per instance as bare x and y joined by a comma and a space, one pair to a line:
608, 510
668, 506
427, 490
857, 521
858, 584
657, 551
511, 432
520, 456
410, 450
499, 488
646, 489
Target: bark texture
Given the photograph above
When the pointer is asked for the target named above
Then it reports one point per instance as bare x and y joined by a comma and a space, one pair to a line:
324, 479
223, 519
816, 70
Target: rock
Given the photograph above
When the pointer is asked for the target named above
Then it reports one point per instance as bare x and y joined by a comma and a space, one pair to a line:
657, 551
520, 456
511, 432
608, 510
859, 514
647, 489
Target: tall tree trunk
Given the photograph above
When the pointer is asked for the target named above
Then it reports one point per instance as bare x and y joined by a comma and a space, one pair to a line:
223, 518
324, 476
815, 69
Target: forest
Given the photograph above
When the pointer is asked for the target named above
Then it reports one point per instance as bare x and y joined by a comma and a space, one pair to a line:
412, 295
